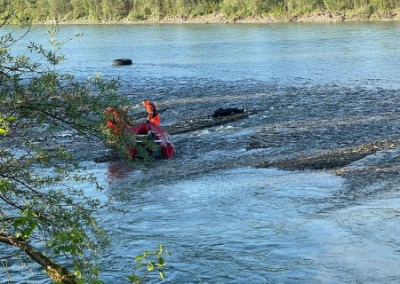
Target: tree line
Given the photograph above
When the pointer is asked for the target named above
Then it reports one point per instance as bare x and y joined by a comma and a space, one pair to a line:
137, 10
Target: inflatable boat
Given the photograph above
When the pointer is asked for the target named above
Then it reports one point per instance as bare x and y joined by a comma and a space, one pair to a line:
152, 139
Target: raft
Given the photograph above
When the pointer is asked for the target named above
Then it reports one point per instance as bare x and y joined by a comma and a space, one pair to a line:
148, 131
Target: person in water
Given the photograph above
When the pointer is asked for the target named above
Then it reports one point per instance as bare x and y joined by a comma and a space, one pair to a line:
117, 120
151, 111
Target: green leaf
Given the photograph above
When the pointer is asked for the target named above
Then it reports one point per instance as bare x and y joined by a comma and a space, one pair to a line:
161, 261
139, 257
150, 266
5, 185
162, 275
18, 222
25, 225
133, 278
10, 118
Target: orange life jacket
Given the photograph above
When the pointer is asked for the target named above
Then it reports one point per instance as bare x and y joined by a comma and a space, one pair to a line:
152, 113
116, 120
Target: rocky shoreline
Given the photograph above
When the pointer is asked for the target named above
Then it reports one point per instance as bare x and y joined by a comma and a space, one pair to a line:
317, 17
219, 18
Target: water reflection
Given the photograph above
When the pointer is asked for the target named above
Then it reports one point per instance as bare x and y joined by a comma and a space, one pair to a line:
118, 170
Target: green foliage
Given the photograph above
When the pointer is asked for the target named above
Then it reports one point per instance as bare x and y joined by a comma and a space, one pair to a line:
68, 241
5, 123
116, 10
42, 185
336, 5
149, 261
25, 224
42, 200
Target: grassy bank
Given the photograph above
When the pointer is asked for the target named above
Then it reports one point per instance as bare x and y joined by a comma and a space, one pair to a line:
219, 18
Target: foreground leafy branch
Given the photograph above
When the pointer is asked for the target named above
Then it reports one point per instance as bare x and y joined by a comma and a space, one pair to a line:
46, 216
152, 261
44, 211
58, 273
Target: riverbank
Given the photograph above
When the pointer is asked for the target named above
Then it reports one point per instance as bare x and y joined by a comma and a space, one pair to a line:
317, 17
219, 18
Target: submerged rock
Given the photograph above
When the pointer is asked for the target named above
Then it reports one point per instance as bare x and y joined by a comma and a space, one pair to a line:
328, 160
226, 111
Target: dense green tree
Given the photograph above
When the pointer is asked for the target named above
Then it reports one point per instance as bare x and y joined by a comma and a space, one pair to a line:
337, 5
79, 10
38, 215
58, 9
115, 10
46, 216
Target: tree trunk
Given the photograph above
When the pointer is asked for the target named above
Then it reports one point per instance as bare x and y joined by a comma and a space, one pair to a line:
56, 272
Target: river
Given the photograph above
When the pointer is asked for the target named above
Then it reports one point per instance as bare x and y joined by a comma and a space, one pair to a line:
316, 87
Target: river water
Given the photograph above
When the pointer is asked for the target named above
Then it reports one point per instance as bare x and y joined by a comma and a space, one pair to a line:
223, 220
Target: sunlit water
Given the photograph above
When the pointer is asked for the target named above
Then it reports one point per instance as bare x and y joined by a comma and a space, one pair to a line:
223, 221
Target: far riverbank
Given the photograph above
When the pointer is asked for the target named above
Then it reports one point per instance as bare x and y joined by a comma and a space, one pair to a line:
219, 18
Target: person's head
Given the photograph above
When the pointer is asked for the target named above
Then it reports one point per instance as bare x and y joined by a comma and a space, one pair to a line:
109, 113
110, 110
146, 102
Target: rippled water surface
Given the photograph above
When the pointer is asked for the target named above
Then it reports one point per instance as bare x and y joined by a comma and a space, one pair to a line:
355, 53
222, 220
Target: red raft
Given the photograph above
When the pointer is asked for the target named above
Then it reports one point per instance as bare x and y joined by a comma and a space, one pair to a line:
147, 131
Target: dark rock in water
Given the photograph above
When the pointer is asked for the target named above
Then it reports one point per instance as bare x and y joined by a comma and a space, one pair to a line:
226, 111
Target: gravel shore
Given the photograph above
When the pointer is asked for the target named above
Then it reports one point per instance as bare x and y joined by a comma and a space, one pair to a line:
219, 18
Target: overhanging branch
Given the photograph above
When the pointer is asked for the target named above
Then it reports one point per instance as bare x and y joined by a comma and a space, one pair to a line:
58, 273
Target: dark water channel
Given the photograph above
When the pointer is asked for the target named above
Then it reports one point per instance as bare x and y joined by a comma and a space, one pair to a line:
315, 88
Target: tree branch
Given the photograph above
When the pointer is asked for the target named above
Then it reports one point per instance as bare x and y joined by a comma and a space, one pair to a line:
58, 273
